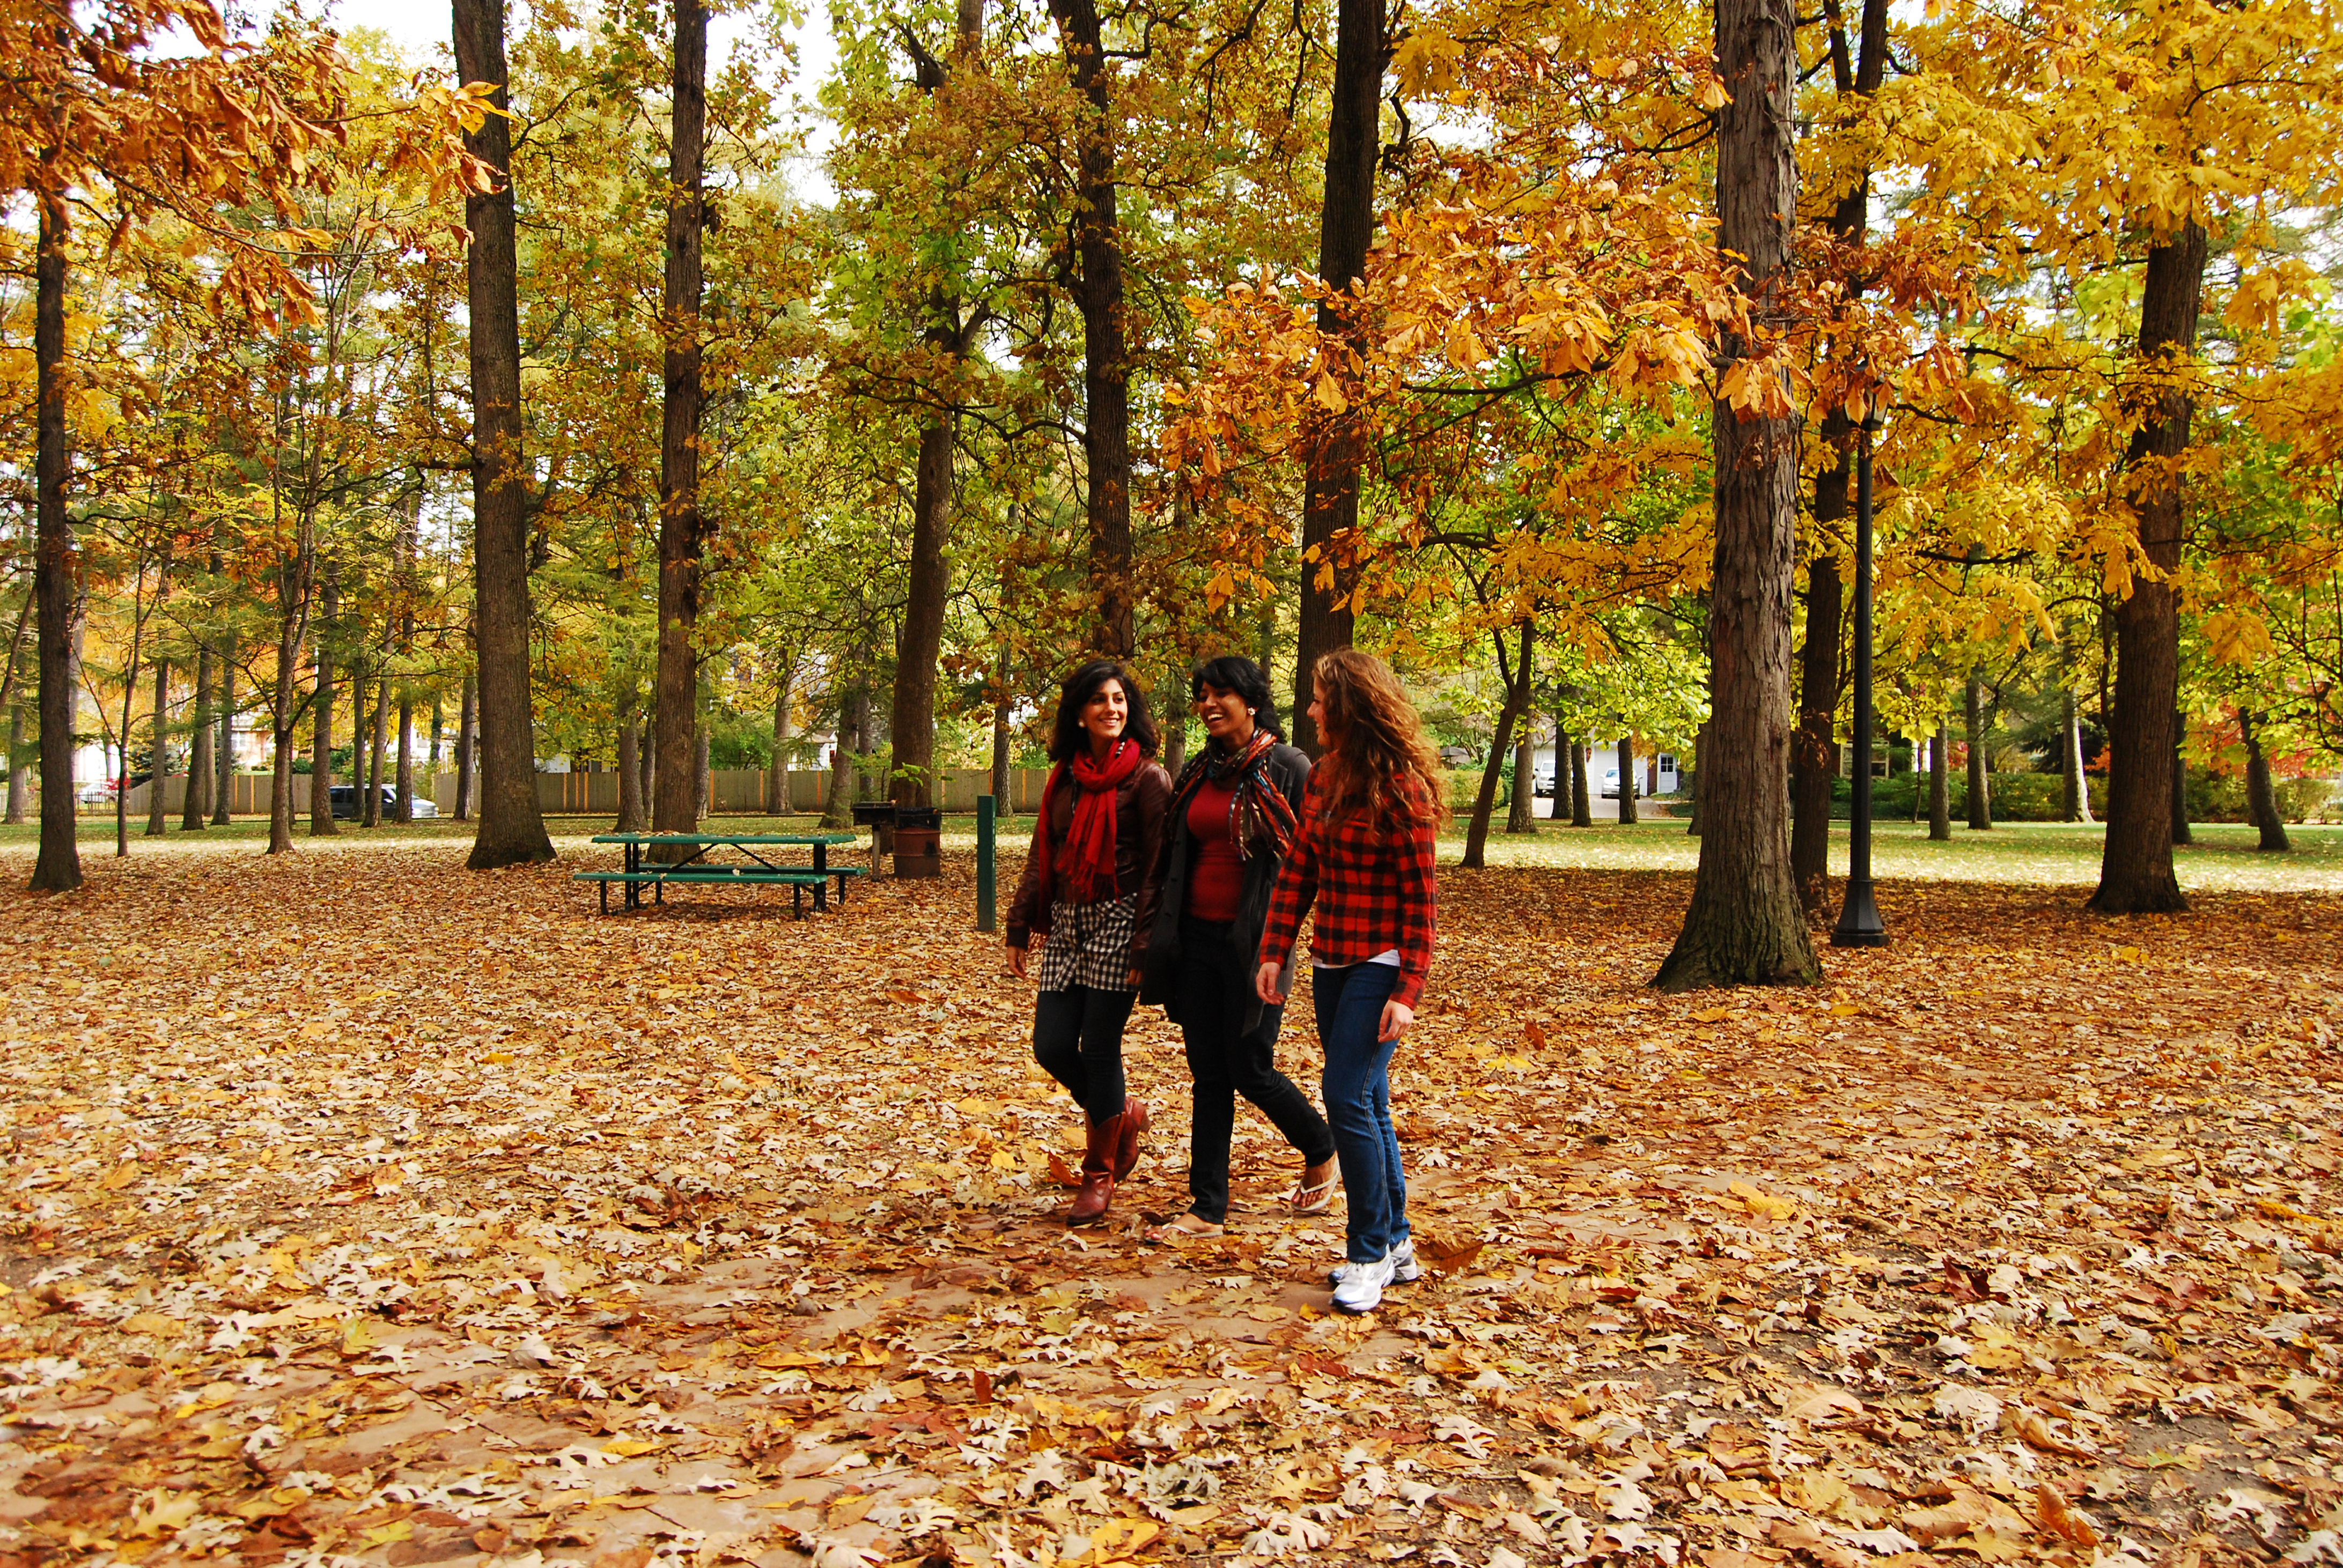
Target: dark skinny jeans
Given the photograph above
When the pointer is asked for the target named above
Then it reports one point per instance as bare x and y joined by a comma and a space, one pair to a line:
1077, 1041
1214, 985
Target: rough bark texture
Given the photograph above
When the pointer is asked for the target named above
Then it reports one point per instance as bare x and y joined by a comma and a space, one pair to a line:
1856, 73
1699, 745
676, 800
776, 785
1002, 793
409, 541
467, 721
1627, 813
1582, 806
913, 722
296, 580
197, 799
2261, 796
377, 727
1814, 757
512, 826
1745, 924
838, 810
2136, 875
2075, 786
1563, 748
1980, 780
631, 818
1940, 792
58, 868
1517, 702
1096, 283
321, 715
1346, 230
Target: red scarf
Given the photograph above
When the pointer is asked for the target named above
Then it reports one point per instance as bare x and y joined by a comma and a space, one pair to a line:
1087, 861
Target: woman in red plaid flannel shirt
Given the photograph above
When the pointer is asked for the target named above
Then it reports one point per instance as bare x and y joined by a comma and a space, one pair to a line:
1364, 856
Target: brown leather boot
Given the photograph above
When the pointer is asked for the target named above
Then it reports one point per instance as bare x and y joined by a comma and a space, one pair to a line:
1126, 1143
1097, 1190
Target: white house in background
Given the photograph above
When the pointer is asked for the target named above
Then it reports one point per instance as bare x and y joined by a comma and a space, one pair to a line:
1654, 774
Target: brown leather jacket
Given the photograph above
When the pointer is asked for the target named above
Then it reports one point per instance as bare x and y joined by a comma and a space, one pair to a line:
1139, 811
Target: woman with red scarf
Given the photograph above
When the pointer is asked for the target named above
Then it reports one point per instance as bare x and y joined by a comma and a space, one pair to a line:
1101, 822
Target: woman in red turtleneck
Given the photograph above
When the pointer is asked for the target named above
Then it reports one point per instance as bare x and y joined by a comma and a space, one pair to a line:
1231, 817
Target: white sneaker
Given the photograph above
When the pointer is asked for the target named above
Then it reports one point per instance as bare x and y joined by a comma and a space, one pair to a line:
1359, 1287
1405, 1270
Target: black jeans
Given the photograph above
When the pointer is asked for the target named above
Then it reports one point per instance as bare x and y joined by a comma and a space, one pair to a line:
1077, 1041
1214, 984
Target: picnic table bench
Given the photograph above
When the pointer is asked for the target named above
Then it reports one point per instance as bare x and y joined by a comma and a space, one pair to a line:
695, 867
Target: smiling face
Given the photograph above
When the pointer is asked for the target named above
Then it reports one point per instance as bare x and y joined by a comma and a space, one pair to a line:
1227, 718
1106, 715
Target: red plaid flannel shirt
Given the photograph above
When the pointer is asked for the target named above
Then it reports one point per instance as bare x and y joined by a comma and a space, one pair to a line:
1373, 889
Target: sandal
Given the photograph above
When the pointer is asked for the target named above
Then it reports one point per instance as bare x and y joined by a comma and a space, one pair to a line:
1185, 1228
1314, 1197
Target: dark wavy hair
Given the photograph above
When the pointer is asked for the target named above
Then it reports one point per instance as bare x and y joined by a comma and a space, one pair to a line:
1230, 672
1067, 737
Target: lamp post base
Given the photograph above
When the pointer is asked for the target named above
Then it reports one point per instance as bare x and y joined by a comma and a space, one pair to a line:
1859, 925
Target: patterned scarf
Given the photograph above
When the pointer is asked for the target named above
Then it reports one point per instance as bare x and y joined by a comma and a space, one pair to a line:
1087, 861
1257, 806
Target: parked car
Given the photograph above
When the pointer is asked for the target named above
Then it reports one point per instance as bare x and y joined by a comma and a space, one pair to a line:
345, 802
1542, 783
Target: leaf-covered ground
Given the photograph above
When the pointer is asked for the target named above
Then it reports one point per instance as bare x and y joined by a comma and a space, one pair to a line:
357, 1208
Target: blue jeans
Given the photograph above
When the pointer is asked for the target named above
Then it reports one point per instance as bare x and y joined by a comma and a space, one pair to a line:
1350, 1003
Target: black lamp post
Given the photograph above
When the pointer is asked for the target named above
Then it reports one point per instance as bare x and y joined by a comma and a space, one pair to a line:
1859, 925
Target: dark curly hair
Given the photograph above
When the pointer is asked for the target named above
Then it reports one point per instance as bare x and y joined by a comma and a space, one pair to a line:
1230, 672
1067, 737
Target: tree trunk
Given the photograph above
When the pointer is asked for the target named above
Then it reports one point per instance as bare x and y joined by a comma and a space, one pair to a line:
1627, 813
777, 791
224, 780
1518, 818
702, 776
438, 728
467, 734
409, 542
1980, 780
1940, 803
1745, 923
913, 723
377, 732
2144, 803
1171, 717
1002, 794
321, 717
1814, 757
193, 804
677, 801
838, 811
1699, 745
1346, 228
2180, 834
1563, 748
1581, 805
54, 561
630, 763
20, 773
512, 825
296, 580
2261, 797
1097, 291
157, 813
2075, 790
1517, 701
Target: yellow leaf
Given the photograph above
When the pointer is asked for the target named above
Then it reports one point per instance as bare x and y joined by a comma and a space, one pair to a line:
630, 1447
1761, 1202
1328, 396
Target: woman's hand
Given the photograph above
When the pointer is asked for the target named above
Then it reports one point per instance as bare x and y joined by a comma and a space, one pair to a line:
1264, 985
1017, 962
1137, 977
1397, 1015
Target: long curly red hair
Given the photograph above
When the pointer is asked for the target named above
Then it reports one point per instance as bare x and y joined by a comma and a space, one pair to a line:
1373, 741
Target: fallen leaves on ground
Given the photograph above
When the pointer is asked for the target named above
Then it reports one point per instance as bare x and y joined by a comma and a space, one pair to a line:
360, 1207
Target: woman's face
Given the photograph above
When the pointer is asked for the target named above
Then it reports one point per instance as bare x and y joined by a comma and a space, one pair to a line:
1317, 718
1227, 718
1107, 714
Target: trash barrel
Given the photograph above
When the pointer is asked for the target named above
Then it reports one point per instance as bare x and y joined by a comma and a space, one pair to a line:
918, 842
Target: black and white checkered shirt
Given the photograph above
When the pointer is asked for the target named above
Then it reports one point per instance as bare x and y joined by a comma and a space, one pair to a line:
1090, 945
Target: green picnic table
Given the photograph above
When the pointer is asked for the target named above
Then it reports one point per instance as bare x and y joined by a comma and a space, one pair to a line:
752, 869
